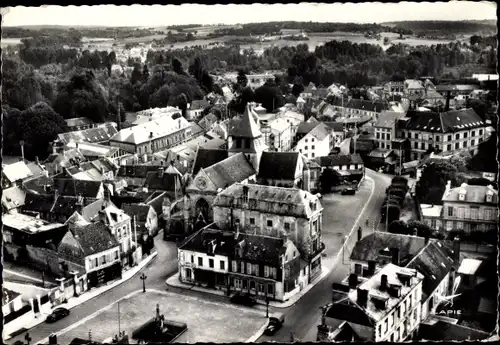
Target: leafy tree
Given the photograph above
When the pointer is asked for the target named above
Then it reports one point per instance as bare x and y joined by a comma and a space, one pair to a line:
297, 89
270, 97
136, 74
432, 183
239, 103
242, 79
177, 66
486, 157
38, 126
327, 180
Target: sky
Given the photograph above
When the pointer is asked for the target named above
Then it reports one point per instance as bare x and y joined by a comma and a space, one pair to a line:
152, 16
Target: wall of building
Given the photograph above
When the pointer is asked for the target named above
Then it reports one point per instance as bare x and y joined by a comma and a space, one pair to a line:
112, 257
310, 147
48, 259
487, 216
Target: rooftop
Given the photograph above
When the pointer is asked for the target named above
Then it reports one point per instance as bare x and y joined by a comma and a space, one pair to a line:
431, 210
373, 285
92, 135
27, 223
231, 170
387, 119
16, 171
278, 165
208, 157
473, 194
469, 266
270, 199
444, 122
94, 238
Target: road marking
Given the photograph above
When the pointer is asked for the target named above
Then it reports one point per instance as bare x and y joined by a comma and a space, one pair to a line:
90, 317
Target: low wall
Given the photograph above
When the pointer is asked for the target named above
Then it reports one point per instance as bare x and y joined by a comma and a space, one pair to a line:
18, 323
47, 259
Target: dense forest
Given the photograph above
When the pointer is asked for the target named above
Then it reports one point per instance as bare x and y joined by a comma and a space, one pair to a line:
427, 27
53, 82
120, 32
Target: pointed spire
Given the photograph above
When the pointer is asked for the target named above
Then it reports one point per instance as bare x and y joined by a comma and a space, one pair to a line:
246, 128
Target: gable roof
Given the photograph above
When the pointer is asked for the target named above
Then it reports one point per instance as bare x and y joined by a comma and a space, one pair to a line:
246, 127
16, 171
231, 170
72, 187
278, 165
140, 210
199, 104
263, 249
92, 135
473, 194
338, 160
38, 202
434, 262
270, 199
387, 119
336, 126
320, 131
13, 197
347, 310
369, 247
168, 180
94, 238
208, 157
306, 127
444, 122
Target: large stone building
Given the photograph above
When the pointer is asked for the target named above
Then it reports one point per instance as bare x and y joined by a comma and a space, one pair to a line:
383, 307
274, 212
470, 208
448, 132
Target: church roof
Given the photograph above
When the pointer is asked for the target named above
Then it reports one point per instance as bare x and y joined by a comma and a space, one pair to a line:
246, 127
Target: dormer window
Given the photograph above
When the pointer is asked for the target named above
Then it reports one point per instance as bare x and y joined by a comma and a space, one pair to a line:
461, 195
489, 196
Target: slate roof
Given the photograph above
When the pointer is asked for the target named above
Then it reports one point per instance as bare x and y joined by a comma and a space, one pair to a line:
263, 249
16, 171
231, 170
434, 262
199, 104
225, 242
336, 126
278, 165
474, 194
168, 181
445, 122
320, 131
270, 199
13, 197
75, 220
444, 331
246, 127
208, 157
369, 247
387, 119
38, 184
321, 92
360, 104
207, 121
140, 211
38, 202
91, 135
347, 310
338, 160
95, 238
72, 187
140, 171
306, 127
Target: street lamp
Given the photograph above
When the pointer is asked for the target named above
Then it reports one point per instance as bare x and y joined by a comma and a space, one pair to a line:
27, 338
267, 307
143, 277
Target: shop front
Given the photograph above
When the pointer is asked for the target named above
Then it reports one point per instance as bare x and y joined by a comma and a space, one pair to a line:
101, 276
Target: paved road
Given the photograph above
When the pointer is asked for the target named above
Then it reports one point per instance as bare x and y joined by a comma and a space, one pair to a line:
303, 317
339, 215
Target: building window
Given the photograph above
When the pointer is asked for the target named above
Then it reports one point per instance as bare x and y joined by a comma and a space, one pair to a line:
473, 213
422, 146
449, 137
437, 138
252, 285
378, 135
96, 262
237, 283
306, 147
235, 266
409, 135
192, 258
473, 134
200, 262
287, 226
457, 136
460, 225
448, 147
312, 155
416, 145
245, 284
388, 136
211, 263
465, 143
249, 268
116, 255
383, 136
266, 271
313, 147
450, 211
270, 289
382, 145
269, 223
473, 142
457, 146
261, 288
103, 259
242, 267
465, 134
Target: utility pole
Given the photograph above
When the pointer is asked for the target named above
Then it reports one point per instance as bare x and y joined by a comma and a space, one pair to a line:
119, 330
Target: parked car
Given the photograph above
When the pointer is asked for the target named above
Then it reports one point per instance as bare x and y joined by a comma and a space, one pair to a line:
57, 314
243, 299
275, 323
348, 191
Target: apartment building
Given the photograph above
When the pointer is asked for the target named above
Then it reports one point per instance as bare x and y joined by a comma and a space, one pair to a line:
153, 136
350, 107
274, 212
277, 134
384, 307
448, 132
470, 208
317, 142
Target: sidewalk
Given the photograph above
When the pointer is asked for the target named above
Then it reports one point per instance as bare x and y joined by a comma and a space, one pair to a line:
174, 281
75, 301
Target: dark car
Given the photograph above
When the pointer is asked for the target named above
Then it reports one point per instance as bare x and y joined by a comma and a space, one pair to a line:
243, 299
57, 314
348, 191
275, 323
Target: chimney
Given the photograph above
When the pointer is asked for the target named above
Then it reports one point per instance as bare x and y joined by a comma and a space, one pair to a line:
395, 291
160, 172
157, 311
395, 256
353, 280
362, 297
383, 282
37, 161
237, 232
360, 234
371, 267
456, 250
448, 96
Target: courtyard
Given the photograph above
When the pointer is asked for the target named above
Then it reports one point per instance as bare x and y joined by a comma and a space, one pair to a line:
206, 321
